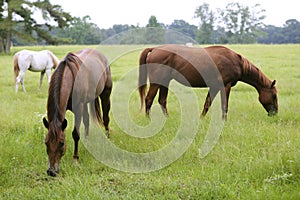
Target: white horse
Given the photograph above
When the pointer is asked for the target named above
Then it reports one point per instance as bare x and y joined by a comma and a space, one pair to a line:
35, 61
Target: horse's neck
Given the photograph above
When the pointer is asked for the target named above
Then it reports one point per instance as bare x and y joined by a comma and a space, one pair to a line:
61, 95
254, 77
66, 89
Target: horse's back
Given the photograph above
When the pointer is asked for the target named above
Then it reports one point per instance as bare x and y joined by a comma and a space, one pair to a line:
229, 63
94, 73
91, 55
35, 60
94, 61
195, 63
191, 63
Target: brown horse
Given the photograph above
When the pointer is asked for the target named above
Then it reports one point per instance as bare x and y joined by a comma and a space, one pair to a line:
216, 67
78, 80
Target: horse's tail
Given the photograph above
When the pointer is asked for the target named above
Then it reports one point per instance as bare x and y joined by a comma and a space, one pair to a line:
143, 75
96, 111
55, 60
16, 66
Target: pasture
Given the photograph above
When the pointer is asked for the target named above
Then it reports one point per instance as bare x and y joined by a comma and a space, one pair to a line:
256, 156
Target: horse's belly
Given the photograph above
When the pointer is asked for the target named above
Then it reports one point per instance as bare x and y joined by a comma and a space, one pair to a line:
191, 83
35, 69
189, 79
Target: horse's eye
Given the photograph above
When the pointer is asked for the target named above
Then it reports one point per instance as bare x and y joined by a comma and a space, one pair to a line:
61, 144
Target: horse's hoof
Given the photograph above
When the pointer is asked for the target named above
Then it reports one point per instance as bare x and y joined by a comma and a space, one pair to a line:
75, 161
52, 173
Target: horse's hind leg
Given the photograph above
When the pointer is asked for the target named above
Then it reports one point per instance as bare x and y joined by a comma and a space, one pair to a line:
23, 85
105, 104
162, 99
86, 120
209, 99
224, 101
48, 74
150, 96
41, 79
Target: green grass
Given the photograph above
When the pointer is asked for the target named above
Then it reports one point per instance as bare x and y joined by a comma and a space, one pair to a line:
256, 157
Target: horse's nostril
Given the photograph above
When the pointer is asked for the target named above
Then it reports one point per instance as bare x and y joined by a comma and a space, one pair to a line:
51, 173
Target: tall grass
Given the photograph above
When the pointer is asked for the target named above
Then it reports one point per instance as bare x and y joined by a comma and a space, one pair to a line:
256, 157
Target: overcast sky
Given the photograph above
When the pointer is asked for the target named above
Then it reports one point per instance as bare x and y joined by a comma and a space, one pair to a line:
137, 12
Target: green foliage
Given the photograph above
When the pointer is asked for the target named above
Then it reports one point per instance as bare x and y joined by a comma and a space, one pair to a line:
154, 32
206, 27
81, 32
256, 157
183, 27
17, 20
289, 33
242, 22
236, 23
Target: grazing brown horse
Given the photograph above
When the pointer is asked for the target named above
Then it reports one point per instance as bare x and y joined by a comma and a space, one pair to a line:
216, 67
78, 80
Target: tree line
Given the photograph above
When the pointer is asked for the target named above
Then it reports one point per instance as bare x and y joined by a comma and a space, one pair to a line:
236, 23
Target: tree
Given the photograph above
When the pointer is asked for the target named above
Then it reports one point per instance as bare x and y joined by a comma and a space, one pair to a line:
152, 22
184, 28
206, 24
119, 28
242, 23
19, 14
155, 32
289, 33
81, 31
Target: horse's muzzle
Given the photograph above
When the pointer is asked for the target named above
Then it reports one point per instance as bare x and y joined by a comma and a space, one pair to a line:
272, 113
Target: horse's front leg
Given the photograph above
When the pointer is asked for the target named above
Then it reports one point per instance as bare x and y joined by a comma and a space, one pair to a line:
76, 132
48, 74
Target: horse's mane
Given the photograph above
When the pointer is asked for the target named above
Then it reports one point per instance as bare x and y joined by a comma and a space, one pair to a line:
249, 68
53, 108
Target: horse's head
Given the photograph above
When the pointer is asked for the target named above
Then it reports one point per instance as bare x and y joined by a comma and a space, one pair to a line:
56, 145
268, 98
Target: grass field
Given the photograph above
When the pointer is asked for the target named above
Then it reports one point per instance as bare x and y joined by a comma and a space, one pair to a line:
256, 157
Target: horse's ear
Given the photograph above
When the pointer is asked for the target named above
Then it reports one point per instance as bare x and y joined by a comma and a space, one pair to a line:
45, 122
273, 83
64, 124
